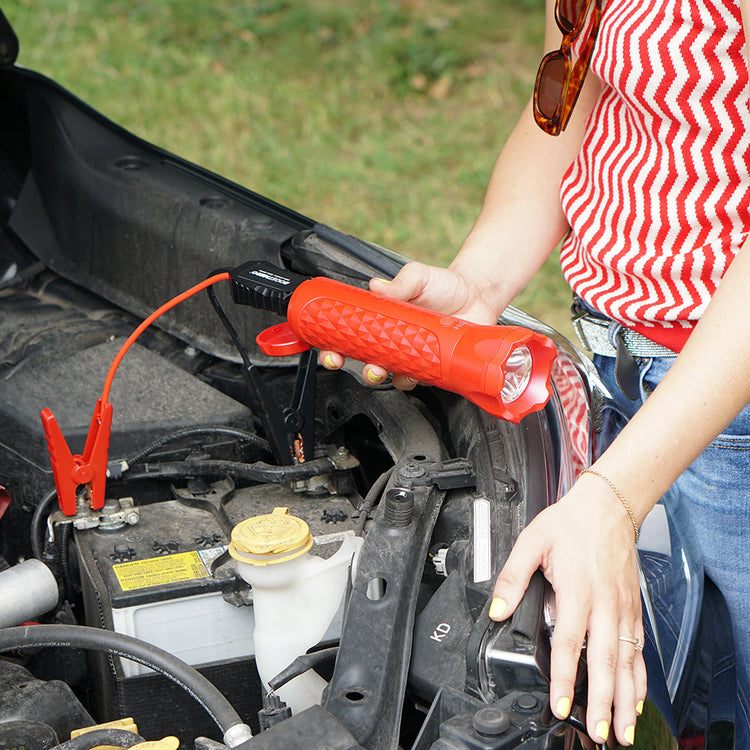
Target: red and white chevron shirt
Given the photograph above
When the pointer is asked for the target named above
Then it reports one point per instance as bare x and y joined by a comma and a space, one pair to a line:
658, 199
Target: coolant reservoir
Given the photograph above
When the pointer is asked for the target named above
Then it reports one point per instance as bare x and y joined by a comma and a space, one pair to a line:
295, 595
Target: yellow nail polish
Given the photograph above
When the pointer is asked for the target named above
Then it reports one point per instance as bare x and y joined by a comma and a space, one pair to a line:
372, 377
497, 607
382, 280
328, 360
602, 730
639, 708
562, 707
629, 734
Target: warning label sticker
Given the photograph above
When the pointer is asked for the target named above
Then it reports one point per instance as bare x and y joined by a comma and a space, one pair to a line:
158, 571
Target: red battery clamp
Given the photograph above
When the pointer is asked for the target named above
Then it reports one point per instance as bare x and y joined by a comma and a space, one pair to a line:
88, 471
503, 369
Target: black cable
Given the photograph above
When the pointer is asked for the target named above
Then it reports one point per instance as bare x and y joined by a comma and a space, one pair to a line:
253, 380
96, 639
255, 472
248, 437
375, 491
300, 665
231, 330
38, 523
247, 368
97, 737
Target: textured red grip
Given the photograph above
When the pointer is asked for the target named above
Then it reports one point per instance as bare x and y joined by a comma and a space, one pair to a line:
360, 324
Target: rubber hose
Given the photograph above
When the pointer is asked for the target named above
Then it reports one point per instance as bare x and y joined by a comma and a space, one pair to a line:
38, 521
97, 737
300, 665
255, 472
96, 639
243, 435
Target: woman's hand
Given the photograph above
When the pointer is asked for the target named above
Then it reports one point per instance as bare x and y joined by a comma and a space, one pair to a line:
584, 546
445, 290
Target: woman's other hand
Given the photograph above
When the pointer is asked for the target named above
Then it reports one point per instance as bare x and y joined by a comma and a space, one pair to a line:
584, 546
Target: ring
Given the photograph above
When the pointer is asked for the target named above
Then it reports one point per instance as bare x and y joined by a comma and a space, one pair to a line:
637, 643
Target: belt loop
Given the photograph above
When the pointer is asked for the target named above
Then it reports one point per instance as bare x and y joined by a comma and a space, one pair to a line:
627, 373
580, 333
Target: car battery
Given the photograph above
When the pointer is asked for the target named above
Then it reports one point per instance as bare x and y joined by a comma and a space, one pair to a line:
168, 580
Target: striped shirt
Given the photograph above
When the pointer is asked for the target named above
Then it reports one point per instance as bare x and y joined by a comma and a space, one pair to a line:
658, 200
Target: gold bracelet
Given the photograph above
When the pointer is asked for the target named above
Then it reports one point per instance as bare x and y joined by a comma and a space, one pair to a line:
625, 504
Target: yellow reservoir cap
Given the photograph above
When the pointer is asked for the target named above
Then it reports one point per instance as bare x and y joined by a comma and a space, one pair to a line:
127, 725
272, 538
168, 743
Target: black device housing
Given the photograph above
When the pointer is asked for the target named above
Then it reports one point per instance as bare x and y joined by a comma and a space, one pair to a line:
264, 286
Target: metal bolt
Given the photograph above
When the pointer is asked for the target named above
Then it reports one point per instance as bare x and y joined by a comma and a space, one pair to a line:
412, 471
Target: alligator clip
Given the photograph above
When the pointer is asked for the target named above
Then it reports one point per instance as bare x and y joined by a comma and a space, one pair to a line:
89, 469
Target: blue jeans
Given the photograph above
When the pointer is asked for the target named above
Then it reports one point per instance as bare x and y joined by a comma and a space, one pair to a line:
715, 495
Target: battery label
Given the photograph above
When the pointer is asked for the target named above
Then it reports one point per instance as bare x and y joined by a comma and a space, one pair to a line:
159, 571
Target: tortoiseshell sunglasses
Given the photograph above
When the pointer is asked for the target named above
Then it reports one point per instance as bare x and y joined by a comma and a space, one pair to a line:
560, 78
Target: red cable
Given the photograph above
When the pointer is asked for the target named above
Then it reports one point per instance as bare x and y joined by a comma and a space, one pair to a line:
149, 320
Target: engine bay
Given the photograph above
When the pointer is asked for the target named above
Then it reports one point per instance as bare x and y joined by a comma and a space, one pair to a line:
188, 463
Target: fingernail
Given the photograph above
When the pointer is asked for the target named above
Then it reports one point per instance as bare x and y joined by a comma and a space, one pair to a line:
372, 377
497, 607
562, 707
328, 360
629, 734
602, 730
411, 381
639, 708
382, 281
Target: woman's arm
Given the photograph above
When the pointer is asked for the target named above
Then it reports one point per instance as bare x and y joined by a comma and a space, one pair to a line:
521, 220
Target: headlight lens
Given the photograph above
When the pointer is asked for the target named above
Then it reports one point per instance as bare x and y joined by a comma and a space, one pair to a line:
517, 374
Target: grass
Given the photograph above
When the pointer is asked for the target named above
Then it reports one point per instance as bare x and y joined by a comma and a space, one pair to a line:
382, 118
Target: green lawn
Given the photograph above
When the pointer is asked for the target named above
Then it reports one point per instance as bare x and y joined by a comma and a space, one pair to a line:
378, 117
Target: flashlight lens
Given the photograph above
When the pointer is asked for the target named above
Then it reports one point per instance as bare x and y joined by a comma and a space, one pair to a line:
517, 370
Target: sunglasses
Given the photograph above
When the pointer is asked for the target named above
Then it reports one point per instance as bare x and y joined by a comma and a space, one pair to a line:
560, 77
